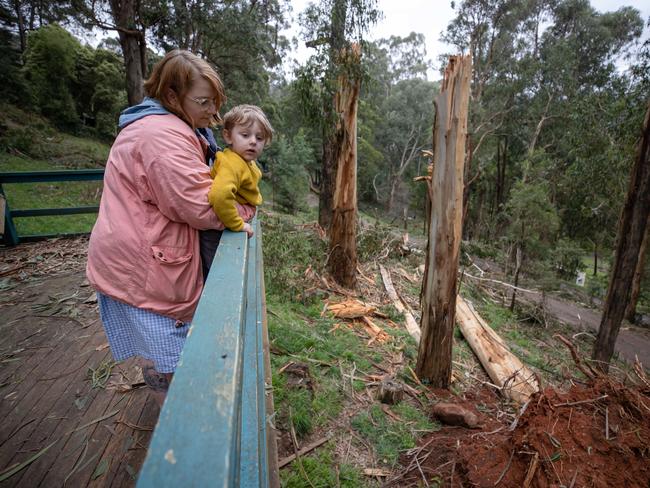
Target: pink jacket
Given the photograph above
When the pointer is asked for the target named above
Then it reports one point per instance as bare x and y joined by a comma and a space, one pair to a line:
144, 248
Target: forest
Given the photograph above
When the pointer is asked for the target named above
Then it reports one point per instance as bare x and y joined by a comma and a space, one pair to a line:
557, 99
558, 96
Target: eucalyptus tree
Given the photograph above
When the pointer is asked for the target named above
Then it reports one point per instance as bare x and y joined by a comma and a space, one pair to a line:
329, 27
24, 16
241, 37
544, 69
395, 116
132, 20
404, 131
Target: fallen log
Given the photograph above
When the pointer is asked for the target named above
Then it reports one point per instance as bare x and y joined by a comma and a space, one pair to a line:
515, 380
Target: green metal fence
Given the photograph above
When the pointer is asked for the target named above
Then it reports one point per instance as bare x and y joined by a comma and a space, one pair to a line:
10, 235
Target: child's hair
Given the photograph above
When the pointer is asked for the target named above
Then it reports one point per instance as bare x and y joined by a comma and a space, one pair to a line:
177, 71
245, 115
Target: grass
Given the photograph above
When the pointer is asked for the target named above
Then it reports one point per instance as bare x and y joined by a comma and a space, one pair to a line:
321, 471
31, 144
390, 436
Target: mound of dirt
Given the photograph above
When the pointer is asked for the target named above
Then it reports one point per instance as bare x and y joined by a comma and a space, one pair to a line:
596, 435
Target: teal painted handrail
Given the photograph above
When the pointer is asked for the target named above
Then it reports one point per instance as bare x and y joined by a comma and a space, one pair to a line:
10, 235
212, 428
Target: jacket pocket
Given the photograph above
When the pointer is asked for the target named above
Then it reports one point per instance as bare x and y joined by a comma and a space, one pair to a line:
171, 276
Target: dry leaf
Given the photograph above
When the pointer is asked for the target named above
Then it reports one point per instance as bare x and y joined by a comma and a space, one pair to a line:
102, 347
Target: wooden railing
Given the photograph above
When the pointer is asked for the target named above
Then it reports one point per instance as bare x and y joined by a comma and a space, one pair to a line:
214, 427
11, 237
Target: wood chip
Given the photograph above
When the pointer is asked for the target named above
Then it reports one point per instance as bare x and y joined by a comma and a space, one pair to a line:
376, 472
350, 309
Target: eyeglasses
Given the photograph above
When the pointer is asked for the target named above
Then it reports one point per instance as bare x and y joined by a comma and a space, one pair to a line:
204, 102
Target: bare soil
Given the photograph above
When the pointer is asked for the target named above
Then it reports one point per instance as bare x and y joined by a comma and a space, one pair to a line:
594, 435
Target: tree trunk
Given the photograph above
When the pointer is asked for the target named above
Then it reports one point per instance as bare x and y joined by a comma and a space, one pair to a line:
439, 287
631, 232
516, 280
630, 311
329, 168
595, 257
22, 30
343, 232
133, 47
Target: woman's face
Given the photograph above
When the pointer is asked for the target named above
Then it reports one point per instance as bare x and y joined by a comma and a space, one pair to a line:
199, 103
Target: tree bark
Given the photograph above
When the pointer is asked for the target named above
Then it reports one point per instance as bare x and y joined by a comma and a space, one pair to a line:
630, 311
134, 47
342, 261
516, 280
631, 232
329, 164
439, 287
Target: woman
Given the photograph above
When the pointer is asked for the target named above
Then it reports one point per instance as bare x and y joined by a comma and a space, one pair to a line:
143, 255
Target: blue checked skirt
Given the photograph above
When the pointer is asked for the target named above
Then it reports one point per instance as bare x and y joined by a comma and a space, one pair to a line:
132, 331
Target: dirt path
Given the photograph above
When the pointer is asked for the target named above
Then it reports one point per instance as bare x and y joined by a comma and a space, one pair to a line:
632, 341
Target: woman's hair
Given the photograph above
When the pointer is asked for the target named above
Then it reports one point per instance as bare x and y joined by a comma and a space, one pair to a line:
245, 115
177, 71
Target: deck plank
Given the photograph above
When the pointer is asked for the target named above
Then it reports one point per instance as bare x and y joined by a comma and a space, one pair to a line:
36, 410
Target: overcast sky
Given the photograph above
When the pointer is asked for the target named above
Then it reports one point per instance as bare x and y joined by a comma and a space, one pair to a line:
430, 17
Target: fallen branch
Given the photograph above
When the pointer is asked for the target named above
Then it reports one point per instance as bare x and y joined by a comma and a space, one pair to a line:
501, 283
411, 324
590, 372
580, 402
282, 463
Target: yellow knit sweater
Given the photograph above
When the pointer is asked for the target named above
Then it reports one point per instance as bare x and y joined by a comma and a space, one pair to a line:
233, 181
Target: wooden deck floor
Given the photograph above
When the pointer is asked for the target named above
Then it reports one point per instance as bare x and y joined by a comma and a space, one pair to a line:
57, 426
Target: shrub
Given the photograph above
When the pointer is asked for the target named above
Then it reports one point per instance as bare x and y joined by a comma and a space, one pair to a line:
567, 258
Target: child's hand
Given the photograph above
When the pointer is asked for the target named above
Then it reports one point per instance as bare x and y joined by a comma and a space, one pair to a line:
248, 229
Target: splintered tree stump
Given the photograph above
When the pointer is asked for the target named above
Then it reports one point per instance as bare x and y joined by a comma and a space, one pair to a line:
390, 391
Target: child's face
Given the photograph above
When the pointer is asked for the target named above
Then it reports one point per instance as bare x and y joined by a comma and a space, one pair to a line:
247, 141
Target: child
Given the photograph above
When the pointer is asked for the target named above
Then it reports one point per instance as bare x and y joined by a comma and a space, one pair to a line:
235, 175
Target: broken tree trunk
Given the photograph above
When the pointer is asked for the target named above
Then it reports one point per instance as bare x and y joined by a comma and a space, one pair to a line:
506, 371
342, 262
631, 230
439, 287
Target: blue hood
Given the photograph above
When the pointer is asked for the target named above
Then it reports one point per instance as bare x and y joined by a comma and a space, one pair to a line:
151, 106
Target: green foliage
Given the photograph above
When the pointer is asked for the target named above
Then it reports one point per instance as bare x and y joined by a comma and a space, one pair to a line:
289, 176
533, 220
567, 258
50, 71
99, 77
596, 286
287, 254
372, 240
13, 88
